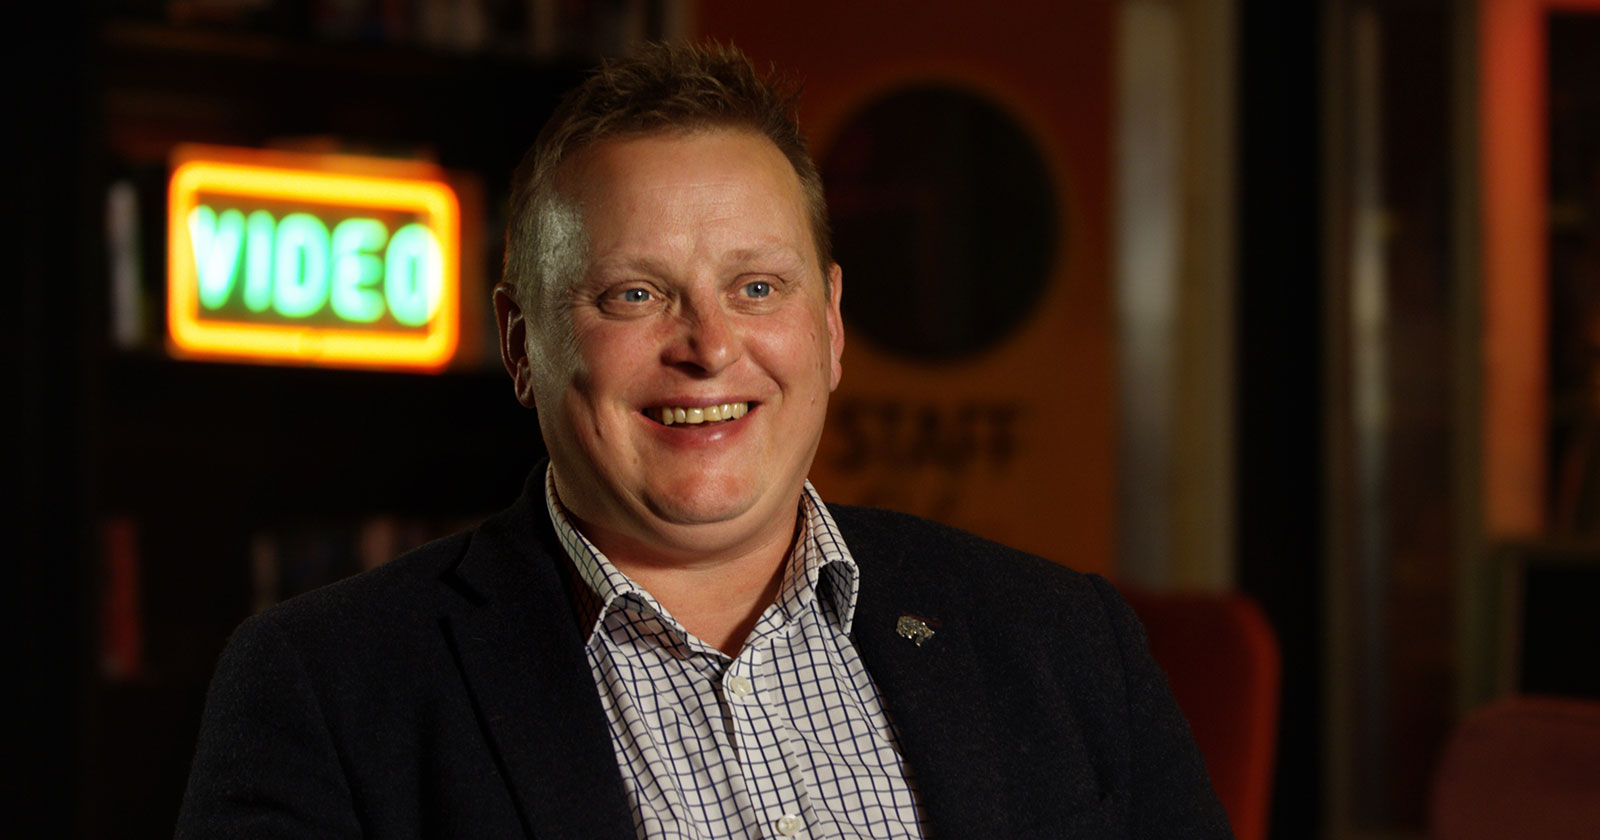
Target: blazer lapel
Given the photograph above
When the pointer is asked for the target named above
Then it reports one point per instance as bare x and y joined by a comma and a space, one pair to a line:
521, 655
945, 727
522, 658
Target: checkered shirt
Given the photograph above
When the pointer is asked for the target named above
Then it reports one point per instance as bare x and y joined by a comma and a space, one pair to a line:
788, 739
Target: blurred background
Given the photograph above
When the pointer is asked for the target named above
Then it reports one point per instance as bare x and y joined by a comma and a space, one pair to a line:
1291, 308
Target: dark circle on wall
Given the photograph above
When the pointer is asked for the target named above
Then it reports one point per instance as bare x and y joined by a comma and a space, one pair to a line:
944, 220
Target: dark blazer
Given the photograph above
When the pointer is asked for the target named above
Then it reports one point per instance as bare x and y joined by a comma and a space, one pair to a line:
446, 694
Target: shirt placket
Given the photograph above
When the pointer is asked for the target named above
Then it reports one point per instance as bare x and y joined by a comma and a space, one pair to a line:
774, 779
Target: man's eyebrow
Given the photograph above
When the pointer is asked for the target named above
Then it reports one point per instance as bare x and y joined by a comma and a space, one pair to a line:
766, 252
656, 267
650, 266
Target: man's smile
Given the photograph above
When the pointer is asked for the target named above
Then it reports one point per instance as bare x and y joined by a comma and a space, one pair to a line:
668, 415
702, 335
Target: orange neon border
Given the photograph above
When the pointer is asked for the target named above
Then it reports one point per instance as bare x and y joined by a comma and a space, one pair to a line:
1514, 156
321, 346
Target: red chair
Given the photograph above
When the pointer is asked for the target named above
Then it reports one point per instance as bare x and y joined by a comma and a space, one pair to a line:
1526, 768
1221, 657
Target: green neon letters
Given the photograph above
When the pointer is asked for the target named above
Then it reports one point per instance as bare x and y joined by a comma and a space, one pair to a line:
356, 268
412, 271
217, 240
295, 267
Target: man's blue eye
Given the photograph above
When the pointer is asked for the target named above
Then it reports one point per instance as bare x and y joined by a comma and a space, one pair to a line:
757, 289
636, 295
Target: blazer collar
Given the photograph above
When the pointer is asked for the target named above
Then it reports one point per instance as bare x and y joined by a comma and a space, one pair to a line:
522, 657
520, 653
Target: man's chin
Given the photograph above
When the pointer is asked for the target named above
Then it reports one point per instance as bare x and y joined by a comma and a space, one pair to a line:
714, 518
679, 513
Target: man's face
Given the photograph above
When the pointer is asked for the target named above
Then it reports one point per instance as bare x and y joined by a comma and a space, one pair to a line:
683, 376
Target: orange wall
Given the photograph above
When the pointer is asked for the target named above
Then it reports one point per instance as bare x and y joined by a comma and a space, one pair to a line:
1049, 65
1514, 152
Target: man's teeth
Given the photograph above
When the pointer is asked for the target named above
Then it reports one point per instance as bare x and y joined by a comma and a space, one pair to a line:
706, 414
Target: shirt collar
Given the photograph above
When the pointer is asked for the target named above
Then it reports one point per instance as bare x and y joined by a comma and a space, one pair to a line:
823, 567
819, 570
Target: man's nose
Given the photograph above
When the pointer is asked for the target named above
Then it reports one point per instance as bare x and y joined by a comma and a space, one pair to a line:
707, 340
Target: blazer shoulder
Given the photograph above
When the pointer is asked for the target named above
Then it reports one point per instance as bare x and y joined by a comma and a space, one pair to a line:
376, 597
912, 546
888, 530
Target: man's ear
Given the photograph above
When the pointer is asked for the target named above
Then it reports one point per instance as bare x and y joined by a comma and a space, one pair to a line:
513, 324
835, 324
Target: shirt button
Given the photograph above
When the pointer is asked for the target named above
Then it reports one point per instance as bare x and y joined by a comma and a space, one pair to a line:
789, 825
740, 686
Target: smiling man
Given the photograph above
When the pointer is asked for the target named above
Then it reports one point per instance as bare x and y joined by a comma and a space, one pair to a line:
682, 367
671, 635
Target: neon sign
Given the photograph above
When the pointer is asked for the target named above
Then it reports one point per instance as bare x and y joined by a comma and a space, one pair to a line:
312, 259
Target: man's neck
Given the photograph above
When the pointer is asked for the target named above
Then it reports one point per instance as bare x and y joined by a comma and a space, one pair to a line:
718, 598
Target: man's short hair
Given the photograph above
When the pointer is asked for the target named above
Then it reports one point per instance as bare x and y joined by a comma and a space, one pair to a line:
660, 89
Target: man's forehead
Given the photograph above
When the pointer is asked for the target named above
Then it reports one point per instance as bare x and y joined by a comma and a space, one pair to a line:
583, 186
641, 187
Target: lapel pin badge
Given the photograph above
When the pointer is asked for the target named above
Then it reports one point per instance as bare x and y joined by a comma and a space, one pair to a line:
915, 628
